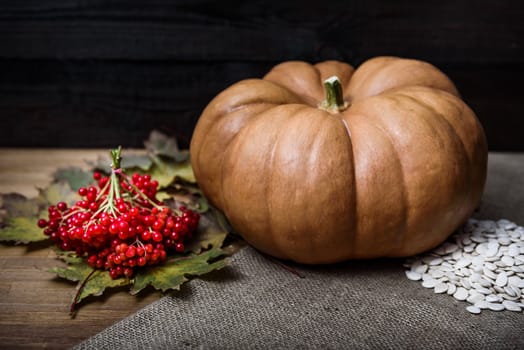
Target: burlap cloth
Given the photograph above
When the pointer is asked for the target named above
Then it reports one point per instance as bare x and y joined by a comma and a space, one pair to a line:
256, 304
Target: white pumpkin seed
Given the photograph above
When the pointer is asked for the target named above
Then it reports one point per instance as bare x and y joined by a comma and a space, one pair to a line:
412, 275
451, 289
441, 287
495, 306
429, 283
493, 298
502, 279
482, 304
482, 263
475, 298
511, 305
460, 294
473, 309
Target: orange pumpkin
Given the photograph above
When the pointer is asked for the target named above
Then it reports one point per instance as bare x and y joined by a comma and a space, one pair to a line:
389, 164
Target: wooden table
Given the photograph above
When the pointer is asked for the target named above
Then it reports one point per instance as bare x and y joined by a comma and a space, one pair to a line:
34, 305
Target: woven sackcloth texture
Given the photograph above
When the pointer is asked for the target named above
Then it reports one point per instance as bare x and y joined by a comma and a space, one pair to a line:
256, 304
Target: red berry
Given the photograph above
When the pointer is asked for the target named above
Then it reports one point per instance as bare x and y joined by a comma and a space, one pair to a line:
141, 261
131, 251
62, 206
157, 236
146, 236
42, 223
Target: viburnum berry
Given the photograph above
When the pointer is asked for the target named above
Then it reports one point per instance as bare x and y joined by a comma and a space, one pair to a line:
119, 225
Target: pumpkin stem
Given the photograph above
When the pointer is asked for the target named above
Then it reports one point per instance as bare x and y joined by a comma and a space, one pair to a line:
334, 101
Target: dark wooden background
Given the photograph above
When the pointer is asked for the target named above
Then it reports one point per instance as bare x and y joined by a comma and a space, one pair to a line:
97, 73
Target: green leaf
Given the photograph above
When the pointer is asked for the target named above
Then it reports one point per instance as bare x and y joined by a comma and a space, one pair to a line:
98, 283
188, 194
209, 234
67, 256
21, 229
140, 161
16, 204
75, 177
58, 192
166, 171
175, 272
97, 280
160, 144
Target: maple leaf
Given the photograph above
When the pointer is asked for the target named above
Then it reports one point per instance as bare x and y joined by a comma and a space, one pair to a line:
160, 144
58, 192
75, 177
209, 234
91, 282
175, 272
187, 193
21, 230
21, 215
16, 204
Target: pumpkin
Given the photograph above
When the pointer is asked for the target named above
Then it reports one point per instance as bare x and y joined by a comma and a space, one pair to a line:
323, 163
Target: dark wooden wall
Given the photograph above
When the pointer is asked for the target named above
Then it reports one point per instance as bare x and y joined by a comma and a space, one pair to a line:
97, 73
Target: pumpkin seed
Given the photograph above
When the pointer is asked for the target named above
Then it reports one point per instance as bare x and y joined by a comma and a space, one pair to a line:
414, 276
441, 287
482, 263
496, 306
511, 305
461, 294
473, 309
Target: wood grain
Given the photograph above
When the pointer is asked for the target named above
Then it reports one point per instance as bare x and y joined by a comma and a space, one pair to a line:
34, 305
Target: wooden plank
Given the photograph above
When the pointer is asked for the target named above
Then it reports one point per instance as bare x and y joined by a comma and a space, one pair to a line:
443, 31
35, 305
105, 104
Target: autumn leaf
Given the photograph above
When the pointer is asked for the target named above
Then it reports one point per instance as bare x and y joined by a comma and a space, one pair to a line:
16, 204
75, 177
140, 161
187, 193
91, 282
58, 192
20, 222
165, 171
21, 229
175, 272
209, 234
160, 144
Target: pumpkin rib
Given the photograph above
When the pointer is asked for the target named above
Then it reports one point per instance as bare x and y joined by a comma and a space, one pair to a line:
305, 242
227, 153
285, 76
217, 125
388, 73
405, 201
355, 228
269, 187
445, 120
470, 163
247, 93
449, 130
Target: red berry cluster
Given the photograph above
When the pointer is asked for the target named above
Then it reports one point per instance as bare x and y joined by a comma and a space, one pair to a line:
119, 225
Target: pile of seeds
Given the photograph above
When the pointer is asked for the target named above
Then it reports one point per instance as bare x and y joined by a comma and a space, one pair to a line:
482, 264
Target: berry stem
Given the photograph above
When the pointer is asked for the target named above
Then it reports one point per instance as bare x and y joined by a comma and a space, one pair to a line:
114, 187
116, 157
78, 292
